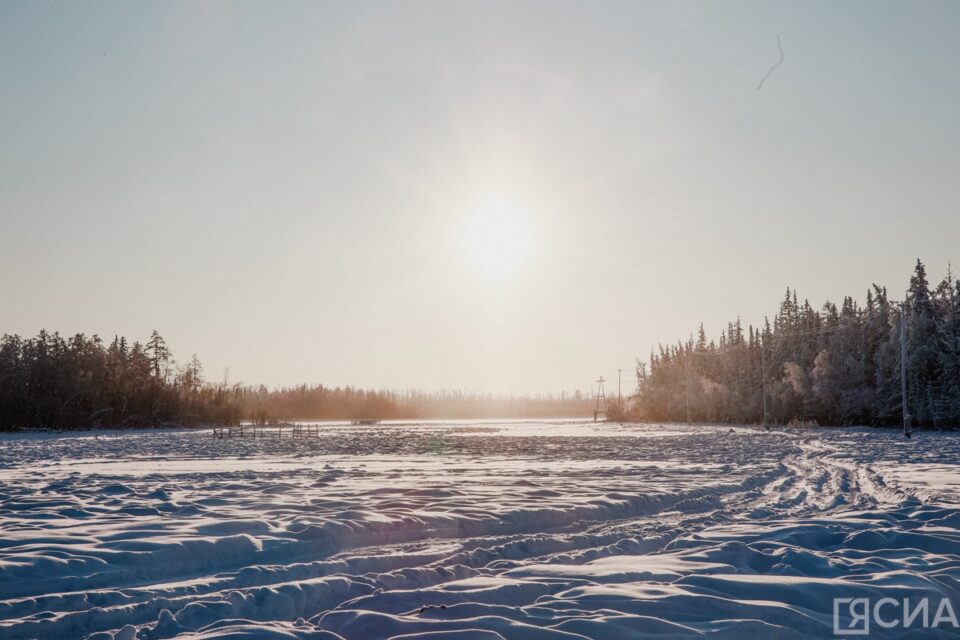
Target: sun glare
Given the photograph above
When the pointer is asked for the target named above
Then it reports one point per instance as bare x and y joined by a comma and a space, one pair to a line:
498, 238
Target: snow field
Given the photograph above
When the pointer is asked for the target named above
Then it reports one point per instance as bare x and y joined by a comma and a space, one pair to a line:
470, 530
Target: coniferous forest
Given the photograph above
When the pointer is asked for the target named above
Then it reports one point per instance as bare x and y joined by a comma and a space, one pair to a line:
839, 365
832, 366
54, 382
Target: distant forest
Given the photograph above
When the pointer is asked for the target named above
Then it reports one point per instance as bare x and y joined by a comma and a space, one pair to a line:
836, 366
79, 382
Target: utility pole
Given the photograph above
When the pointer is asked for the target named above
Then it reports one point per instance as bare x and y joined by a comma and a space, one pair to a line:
619, 387
763, 383
600, 396
686, 387
903, 368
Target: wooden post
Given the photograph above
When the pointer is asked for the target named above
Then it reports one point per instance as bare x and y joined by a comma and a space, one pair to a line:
763, 384
903, 368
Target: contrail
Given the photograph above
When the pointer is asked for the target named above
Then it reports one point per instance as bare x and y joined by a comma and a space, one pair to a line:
779, 62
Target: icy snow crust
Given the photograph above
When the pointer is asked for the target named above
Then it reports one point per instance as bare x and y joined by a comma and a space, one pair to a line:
472, 531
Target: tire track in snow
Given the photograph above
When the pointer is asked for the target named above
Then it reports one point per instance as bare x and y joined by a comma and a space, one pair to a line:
556, 513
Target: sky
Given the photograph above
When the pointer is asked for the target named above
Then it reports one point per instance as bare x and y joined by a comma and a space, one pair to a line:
498, 196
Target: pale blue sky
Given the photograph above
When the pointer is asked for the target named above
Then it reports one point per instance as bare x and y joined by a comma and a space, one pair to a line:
284, 188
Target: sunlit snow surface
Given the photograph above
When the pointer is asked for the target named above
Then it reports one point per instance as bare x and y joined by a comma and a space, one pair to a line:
472, 531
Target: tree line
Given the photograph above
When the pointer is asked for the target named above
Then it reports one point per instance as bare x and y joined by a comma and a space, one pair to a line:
304, 402
50, 381
54, 382
837, 366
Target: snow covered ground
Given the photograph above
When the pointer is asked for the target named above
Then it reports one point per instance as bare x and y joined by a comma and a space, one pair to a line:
474, 531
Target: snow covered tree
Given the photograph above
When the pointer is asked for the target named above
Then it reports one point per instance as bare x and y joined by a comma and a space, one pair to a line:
838, 366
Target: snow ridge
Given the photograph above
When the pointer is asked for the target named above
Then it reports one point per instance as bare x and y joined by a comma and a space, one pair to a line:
521, 530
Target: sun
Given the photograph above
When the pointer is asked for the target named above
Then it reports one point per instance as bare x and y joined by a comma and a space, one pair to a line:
498, 238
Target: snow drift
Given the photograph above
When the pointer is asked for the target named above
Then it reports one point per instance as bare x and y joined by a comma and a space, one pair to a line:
468, 530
